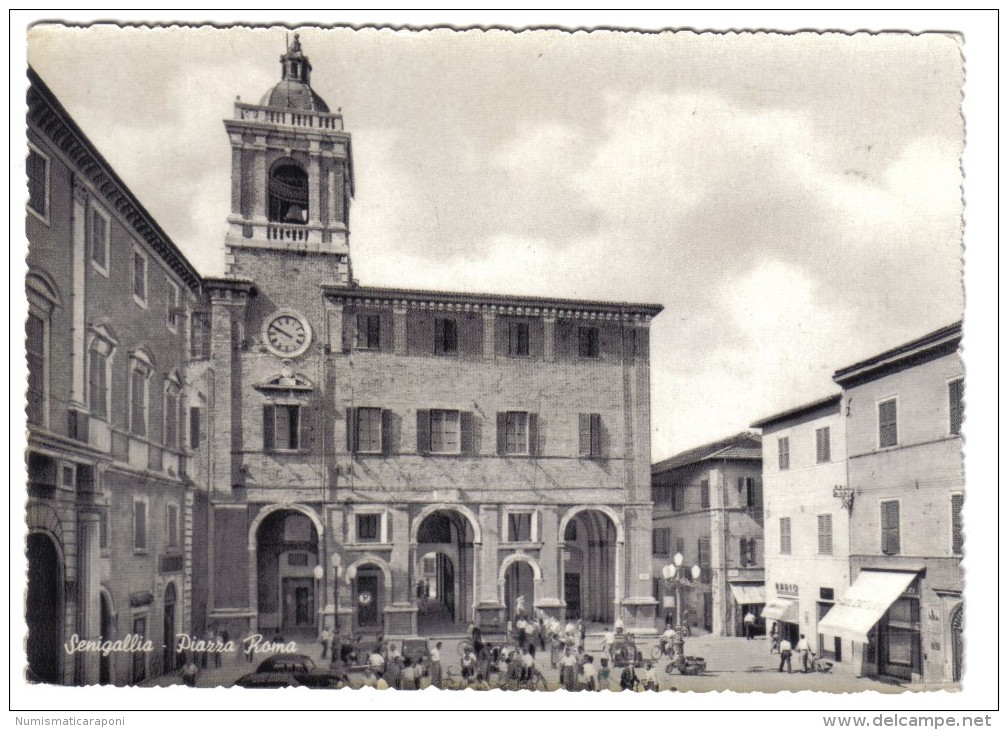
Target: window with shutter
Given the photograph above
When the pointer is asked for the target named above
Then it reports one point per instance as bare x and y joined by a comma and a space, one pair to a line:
518, 339
783, 453
888, 434
705, 494
822, 436
957, 536
140, 278
588, 342
516, 433
139, 375
194, 427
750, 490
281, 427
269, 429
955, 391
368, 528
680, 545
38, 183
890, 528
825, 526
98, 383
445, 336
369, 430
423, 431
139, 525
519, 526
99, 240
743, 552
661, 539
444, 432
785, 535
171, 406
590, 435
35, 342
172, 526
368, 331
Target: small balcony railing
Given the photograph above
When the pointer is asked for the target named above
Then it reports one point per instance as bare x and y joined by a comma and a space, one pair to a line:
289, 117
286, 232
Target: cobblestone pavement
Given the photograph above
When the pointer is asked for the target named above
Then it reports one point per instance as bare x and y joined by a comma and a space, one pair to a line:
732, 664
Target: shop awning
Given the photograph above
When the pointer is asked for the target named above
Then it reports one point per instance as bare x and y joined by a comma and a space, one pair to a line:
782, 609
746, 593
863, 604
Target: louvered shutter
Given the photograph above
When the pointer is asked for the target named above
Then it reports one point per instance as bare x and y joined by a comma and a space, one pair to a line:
423, 431
386, 432
596, 434
269, 429
501, 433
305, 428
957, 537
467, 442
533, 434
584, 434
439, 335
351, 430
743, 552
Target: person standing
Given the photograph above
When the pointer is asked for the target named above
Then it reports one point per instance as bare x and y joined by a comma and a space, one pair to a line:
650, 678
468, 665
327, 640
435, 666
774, 638
750, 624
582, 632
607, 643
604, 672
628, 678
785, 655
521, 625
189, 672
568, 670
803, 650
590, 674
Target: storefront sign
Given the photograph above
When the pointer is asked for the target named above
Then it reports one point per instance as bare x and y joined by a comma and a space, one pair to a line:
786, 589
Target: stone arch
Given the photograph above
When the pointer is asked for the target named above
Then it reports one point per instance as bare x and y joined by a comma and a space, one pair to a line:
370, 559
604, 509
279, 507
43, 284
446, 507
519, 557
43, 518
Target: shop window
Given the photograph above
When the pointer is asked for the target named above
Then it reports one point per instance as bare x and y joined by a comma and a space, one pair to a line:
887, 424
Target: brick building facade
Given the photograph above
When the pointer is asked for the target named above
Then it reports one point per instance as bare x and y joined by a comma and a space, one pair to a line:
404, 460
708, 507
109, 500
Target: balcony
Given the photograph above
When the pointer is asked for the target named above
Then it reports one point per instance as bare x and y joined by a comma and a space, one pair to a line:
287, 232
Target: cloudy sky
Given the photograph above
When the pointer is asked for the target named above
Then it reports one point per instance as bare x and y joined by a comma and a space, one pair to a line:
792, 201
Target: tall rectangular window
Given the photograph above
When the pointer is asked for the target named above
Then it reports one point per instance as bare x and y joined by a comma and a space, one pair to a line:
783, 453
955, 393
747, 551
680, 546
173, 526
139, 375
98, 383
171, 408
957, 535
890, 527
703, 558
785, 535
888, 434
99, 240
825, 527
661, 539
368, 331
139, 524
750, 492
36, 355
588, 344
38, 183
705, 494
172, 305
444, 432
678, 492
195, 416
445, 336
369, 430
518, 339
590, 435
516, 433
282, 427
822, 445
139, 277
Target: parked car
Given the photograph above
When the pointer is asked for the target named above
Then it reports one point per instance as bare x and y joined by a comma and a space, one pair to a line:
290, 670
625, 652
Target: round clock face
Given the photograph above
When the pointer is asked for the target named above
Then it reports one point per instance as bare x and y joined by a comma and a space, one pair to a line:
287, 334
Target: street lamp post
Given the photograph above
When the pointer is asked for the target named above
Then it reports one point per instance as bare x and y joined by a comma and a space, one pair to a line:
337, 571
674, 574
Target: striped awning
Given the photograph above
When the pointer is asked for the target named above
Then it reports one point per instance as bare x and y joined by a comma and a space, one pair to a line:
782, 609
748, 593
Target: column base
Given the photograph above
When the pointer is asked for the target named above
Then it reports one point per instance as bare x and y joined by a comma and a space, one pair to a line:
491, 613
400, 620
639, 615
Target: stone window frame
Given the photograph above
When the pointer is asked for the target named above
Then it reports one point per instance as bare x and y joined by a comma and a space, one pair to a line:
102, 340
47, 186
173, 307
143, 549
140, 254
140, 362
383, 525
172, 389
168, 526
533, 524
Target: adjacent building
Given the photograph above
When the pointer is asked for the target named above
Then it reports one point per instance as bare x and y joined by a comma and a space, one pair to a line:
109, 499
904, 412
396, 460
708, 507
806, 509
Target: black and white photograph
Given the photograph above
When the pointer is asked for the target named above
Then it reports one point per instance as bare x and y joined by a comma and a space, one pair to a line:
618, 367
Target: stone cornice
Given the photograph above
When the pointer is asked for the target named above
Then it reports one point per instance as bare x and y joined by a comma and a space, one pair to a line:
502, 304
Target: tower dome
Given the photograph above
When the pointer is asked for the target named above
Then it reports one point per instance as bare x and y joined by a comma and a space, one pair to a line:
294, 90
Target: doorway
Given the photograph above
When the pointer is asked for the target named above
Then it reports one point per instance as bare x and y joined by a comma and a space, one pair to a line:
168, 663
572, 595
298, 603
366, 600
44, 610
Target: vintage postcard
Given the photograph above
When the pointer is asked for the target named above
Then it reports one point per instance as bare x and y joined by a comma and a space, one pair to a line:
621, 363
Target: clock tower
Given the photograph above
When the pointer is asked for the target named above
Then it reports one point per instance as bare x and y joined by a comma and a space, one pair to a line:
291, 185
